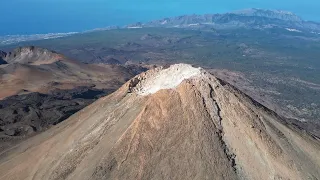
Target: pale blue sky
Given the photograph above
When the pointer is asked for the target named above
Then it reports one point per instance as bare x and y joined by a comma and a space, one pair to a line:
43, 16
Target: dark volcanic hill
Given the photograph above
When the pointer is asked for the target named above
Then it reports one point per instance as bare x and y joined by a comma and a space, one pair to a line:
175, 123
112, 61
24, 115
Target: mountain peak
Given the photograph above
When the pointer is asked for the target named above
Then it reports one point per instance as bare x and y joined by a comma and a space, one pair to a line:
169, 78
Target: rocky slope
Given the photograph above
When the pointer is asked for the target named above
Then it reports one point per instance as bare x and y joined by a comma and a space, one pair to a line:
162, 126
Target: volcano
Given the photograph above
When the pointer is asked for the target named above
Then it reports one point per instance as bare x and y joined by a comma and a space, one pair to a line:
179, 122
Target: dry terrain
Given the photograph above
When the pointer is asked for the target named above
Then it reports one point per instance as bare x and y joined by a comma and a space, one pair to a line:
40, 88
32, 69
159, 126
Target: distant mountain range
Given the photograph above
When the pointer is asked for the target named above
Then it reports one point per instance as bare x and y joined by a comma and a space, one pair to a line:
249, 18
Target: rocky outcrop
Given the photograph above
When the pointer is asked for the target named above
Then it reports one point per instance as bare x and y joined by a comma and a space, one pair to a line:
2, 57
199, 128
33, 55
3, 54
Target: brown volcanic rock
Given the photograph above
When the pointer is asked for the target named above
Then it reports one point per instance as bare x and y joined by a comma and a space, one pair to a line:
160, 126
33, 55
40, 70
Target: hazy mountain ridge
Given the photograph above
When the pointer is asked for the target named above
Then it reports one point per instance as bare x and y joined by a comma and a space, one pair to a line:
250, 18
276, 14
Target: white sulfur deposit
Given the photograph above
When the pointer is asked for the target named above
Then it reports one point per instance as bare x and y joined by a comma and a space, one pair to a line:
167, 78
